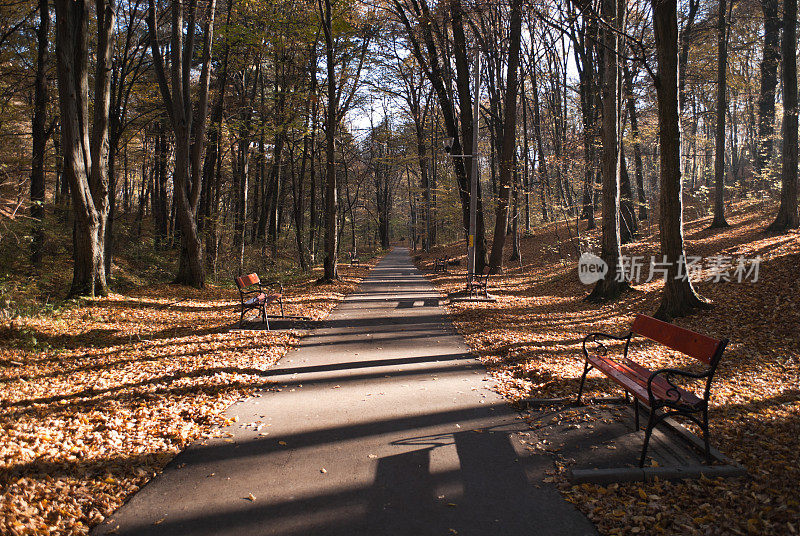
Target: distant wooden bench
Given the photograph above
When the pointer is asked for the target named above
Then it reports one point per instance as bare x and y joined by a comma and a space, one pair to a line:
440, 264
253, 296
479, 283
657, 389
354, 260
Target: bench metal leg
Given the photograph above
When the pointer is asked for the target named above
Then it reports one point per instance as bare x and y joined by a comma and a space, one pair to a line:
705, 437
586, 368
647, 433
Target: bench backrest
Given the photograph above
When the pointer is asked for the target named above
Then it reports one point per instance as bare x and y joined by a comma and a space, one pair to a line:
701, 347
247, 280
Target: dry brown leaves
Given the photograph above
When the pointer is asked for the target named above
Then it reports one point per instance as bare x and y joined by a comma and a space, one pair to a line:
530, 340
96, 400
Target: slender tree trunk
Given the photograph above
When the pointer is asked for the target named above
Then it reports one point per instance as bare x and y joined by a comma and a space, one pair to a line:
637, 149
769, 82
584, 53
628, 222
108, 233
787, 217
544, 181
509, 140
722, 108
611, 286
312, 179
207, 223
515, 252
468, 123
526, 186
298, 197
679, 297
424, 181
331, 191
40, 133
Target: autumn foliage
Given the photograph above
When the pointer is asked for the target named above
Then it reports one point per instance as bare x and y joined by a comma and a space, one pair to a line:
96, 400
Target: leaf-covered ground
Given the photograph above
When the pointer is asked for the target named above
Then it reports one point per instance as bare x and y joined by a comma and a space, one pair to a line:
530, 339
95, 400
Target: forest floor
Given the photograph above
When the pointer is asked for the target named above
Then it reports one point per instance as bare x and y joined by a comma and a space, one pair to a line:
98, 395
530, 340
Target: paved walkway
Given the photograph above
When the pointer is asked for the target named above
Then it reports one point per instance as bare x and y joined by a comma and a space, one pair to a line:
384, 425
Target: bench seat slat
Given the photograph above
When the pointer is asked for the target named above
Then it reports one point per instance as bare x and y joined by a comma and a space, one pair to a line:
262, 298
633, 377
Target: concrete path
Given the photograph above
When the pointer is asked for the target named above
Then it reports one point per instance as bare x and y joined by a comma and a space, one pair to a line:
384, 425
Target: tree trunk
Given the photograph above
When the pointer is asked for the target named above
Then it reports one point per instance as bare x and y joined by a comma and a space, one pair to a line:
679, 297
207, 223
85, 161
39, 132
468, 123
188, 123
515, 253
526, 186
584, 59
637, 149
611, 286
787, 212
769, 82
312, 179
298, 192
628, 222
331, 194
722, 108
544, 181
509, 140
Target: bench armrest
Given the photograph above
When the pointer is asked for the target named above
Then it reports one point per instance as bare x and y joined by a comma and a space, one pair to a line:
254, 291
600, 347
667, 374
277, 284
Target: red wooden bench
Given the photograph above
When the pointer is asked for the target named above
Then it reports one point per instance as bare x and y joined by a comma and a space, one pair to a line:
658, 389
253, 296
